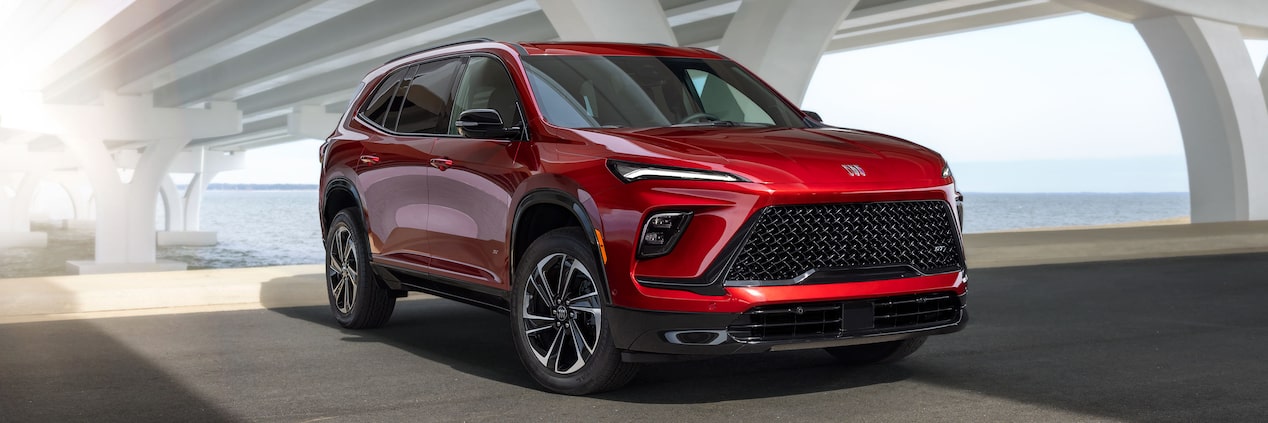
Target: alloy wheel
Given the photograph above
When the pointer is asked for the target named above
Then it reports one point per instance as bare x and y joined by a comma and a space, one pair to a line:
341, 271
561, 313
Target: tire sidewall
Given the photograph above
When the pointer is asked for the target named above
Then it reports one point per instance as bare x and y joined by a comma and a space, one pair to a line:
365, 277
605, 359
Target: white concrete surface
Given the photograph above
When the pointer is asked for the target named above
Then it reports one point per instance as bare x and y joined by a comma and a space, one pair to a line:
92, 267
1222, 113
186, 238
125, 238
782, 41
631, 21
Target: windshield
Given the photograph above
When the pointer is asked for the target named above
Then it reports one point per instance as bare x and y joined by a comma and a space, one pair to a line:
650, 92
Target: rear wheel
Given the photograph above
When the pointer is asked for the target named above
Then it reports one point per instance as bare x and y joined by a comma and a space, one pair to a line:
884, 352
557, 308
356, 298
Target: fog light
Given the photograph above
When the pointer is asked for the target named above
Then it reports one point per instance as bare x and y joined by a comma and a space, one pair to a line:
661, 232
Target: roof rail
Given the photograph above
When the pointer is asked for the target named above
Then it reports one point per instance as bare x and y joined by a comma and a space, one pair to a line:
456, 43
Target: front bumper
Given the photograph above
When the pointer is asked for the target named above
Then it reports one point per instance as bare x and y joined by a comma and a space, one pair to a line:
647, 335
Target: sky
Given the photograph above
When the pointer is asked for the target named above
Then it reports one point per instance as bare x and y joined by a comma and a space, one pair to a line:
1067, 104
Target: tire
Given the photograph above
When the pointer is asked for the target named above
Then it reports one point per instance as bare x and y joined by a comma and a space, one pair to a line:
559, 330
884, 352
357, 299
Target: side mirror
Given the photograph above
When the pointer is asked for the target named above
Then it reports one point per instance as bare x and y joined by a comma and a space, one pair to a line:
813, 115
483, 123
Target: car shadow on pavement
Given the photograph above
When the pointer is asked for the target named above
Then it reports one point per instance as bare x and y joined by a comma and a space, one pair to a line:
476, 341
73, 370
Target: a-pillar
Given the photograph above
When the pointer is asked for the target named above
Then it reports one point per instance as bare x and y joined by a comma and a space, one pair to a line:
183, 210
631, 21
1220, 104
782, 41
125, 231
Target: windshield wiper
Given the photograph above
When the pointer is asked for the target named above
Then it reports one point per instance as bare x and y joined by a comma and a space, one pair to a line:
724, 124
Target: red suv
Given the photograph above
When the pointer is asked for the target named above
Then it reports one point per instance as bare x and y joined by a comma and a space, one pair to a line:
632, 203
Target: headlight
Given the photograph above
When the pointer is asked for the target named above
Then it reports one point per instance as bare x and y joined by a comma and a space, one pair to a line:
946, 171
630, 172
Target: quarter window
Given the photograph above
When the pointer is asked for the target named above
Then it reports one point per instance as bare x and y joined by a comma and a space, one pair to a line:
376, 110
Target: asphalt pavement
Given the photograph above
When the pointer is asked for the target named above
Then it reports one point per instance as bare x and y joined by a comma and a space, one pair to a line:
1178, 339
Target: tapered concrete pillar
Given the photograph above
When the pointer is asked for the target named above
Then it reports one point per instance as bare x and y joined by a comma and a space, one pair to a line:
1223, 116
631, 21
125, 231
184, 209
782, 41
15, 221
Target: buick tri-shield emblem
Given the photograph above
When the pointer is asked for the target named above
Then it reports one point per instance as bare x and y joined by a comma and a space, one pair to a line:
854, 170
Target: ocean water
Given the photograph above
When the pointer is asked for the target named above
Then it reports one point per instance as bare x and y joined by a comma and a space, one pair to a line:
267, 228
989, 212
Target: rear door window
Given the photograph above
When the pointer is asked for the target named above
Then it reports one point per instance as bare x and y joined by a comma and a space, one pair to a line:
427, 98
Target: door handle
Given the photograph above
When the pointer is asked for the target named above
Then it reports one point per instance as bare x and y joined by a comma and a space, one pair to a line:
441, 163
370, 160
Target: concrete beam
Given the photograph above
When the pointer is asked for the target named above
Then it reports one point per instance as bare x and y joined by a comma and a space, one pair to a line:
290, 19
1249, 16
121, 118
901, 25
382, 28
312, 122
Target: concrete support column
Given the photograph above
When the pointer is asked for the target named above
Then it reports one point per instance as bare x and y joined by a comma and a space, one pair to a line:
125, 208
125, 239
173, 206
632, 21
782, 41
183, 220
15, 221
1223, 116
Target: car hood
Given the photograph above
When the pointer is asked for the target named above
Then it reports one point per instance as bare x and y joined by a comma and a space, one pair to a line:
809, 156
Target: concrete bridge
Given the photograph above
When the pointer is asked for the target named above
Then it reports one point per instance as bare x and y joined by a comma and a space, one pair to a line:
127, 92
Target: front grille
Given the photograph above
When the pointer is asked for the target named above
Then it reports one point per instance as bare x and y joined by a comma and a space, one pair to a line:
846, 318
788, 241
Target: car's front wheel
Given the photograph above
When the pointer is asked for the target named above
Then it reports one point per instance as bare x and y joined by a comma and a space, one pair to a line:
557, 307
356, 298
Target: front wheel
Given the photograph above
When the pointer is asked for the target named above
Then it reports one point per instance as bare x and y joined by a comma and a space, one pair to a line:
883, 352
356, 299
557, 308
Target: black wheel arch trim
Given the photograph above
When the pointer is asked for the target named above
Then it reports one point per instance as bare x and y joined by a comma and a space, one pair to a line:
340, 183
553, 196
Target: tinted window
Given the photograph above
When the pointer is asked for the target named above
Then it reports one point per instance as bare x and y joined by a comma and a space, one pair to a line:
723, 100
377, 108
642, 92
394, 109
426, 100
486, 85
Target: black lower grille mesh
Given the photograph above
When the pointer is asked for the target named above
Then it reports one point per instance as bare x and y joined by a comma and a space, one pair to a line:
788, 241
846, 318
